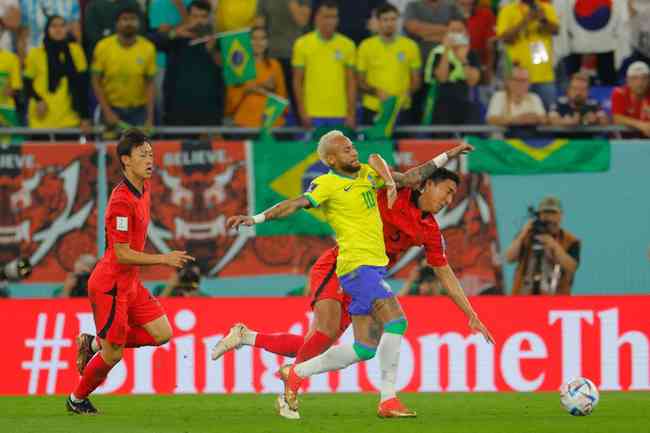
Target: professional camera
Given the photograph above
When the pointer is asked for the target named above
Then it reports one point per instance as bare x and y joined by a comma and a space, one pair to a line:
15, 270
539, 227
80, 289
188, 280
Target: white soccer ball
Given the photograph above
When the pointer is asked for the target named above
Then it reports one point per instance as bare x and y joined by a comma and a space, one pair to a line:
579, 396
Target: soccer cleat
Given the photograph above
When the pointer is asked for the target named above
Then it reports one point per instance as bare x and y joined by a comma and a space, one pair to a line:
82, 407
84, 351
292, 384
393, 408
231, 341
284, 410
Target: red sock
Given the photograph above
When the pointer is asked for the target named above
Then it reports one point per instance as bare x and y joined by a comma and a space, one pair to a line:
138, 337
94, 374
313, 346
282, 344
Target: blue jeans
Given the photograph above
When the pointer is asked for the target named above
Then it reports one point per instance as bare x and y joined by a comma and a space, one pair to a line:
317, 122
546, 91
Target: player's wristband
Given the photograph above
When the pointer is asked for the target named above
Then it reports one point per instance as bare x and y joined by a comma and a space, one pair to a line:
441, 160
259, 218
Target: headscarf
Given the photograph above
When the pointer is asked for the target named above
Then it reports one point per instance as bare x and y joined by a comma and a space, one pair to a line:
59, 59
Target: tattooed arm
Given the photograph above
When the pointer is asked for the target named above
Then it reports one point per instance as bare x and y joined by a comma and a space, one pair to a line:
415, 176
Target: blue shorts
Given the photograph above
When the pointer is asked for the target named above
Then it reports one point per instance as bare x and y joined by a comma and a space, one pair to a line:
365, 285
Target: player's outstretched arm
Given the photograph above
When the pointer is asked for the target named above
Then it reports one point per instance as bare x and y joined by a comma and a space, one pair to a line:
414, 177
381, 167
280, 210
449, 281
126, 256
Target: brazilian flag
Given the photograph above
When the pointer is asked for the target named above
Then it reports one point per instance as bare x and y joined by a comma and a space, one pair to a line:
538, 156
237, 57
275, 106
284, 170
384, 122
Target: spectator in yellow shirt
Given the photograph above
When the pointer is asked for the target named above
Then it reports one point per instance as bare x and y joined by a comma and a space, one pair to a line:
56, 81
324, 81
246, 103
124, 66
388, 64
10, 84
527, 27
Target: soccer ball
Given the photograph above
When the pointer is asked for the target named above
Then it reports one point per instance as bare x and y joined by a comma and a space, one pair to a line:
579, 396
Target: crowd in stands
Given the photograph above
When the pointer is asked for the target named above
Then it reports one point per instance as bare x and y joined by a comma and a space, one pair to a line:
512, 63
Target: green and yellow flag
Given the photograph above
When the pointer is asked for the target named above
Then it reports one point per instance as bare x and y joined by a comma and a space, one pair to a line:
275, 106
237, 57
538, 156
385, 119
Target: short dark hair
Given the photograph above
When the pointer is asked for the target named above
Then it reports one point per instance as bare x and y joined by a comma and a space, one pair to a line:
329, 4
442, 174
386, 8
131, 138
129, 9
200, 4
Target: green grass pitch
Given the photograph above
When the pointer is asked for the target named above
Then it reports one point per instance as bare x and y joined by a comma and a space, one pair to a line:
345, 413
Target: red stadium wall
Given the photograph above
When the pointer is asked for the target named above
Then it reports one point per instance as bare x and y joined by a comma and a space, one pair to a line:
541, 342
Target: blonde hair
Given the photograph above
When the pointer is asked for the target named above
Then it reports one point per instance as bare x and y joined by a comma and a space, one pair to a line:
323, 144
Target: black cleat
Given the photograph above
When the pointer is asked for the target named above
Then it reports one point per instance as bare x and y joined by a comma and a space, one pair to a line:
81, 408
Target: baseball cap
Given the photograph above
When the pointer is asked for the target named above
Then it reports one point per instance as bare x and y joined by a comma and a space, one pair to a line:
637, 69
550, 204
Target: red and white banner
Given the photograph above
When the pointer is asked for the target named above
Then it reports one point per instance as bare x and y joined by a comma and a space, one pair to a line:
541, 341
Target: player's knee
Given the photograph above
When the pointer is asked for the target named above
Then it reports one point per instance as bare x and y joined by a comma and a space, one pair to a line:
364, 352
397, 326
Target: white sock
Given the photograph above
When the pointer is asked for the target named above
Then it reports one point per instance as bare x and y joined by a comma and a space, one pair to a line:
75, 399
249, 338
335, 358
388, 353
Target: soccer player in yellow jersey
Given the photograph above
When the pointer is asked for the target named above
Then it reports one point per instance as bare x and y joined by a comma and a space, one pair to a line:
347, 195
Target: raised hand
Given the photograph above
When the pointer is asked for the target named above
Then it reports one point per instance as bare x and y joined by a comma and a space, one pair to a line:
476, 325
177, 259
460, 149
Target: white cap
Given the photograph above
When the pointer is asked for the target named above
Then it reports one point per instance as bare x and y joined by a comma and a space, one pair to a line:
637, 69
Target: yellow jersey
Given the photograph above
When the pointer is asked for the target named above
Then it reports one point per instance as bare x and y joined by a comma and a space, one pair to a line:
350, 207
60, 113
388, 66
9, 77
325, 63
532, 50
124, 70
235, 14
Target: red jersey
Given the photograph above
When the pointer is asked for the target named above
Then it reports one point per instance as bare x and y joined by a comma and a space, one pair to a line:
405, 226
127, 218
625, 104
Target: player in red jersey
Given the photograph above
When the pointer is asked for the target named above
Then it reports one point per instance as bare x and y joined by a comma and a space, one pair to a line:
126, 315
410, 222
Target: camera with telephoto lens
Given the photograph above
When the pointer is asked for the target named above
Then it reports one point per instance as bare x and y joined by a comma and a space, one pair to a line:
15, 270
539, 227
189, 277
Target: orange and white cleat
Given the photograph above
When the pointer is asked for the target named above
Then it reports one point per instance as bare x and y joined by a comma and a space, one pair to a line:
292, 384
393, 408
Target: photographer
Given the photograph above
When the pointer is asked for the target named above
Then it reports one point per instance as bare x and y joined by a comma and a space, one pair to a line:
76, 283
547, 255
185, 283
576, 108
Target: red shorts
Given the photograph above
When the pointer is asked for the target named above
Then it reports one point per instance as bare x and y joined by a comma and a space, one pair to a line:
324, 284
119, 305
